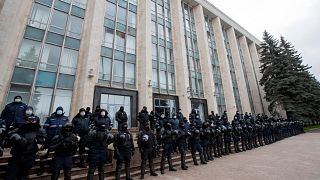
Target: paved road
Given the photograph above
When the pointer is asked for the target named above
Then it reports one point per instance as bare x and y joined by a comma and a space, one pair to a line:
295, 158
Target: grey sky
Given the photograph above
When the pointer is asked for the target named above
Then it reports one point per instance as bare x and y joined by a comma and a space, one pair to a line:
297, 20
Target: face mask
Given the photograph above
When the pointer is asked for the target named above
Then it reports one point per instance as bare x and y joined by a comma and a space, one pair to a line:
162, 116
197, 116
103, 113
174, 117
17, 100
59, 112
28, 112
82, 113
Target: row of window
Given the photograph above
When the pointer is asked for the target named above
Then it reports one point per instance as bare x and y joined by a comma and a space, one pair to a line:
195, 77
47, 60
118, 52
163, 79
232, 71
215, 67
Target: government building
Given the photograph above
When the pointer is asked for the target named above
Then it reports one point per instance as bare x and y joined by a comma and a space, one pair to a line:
163, 54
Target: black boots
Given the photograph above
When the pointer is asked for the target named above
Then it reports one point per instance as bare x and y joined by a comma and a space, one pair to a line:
171, 168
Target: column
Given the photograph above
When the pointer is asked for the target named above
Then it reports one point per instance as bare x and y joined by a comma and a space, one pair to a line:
180, 57
13, 19
245, 103
205, 59
224, 68
256, 66
89, 56
144, 62
251, 75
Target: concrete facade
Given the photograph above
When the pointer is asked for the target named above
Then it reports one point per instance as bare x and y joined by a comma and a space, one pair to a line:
87, 73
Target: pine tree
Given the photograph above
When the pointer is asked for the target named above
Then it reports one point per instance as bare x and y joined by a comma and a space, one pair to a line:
287, 81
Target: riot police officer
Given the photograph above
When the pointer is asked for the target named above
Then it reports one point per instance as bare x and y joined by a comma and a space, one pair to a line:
152, 120
98, 140
236, 134
64, 146
180, 115
219, 139
81, 127
24, 142
147, 148
212, 140
205, 138
124, 150
103, 118
167, 138
181, 141
195, 141
227, 138
121, 117
143, 118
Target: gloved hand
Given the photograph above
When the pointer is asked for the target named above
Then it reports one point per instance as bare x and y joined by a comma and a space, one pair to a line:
16, 137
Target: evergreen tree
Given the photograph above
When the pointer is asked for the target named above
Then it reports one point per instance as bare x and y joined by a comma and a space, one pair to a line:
287, 81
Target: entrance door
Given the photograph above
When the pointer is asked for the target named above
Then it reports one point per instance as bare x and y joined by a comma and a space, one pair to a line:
199, 107
112, 104
166, 105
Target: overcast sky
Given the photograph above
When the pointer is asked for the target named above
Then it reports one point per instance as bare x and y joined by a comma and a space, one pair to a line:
297, 20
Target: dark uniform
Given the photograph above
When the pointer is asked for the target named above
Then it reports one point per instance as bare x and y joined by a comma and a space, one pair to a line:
143, 118
205, 140
64, 146
98, 140
14, 114
152, 120
227, 139
181, 141
24, 148
195, 141
180, 115
147, 148
81, 123
219, 140
2, 133
121, 117
167, 138
53, 127
236, 134
124, 150
212, 140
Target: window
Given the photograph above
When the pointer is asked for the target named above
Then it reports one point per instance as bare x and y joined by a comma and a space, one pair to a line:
132, 19
162, 54
46, 79
69, 61
130, 73
154, 77
29, 53
39, 16
21, 90
121, 14
58, 22
171, 81
108, 37
110, 11
153, 28
154, 51
105, 68
120, 40
22, 75
41, 102
131, 44
161, 31
118, 71
50, 56
163, 80
75, 27
65, 81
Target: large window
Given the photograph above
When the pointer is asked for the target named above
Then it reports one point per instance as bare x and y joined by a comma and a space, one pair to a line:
195, 76
165, 105
219, 94
49, 83
162, 56
118, 54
